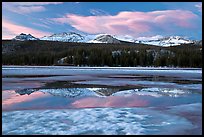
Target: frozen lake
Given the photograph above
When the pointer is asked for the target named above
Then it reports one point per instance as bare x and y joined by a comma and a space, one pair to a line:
101, 100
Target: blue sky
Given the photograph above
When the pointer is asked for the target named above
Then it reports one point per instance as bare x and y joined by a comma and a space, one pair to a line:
138, 19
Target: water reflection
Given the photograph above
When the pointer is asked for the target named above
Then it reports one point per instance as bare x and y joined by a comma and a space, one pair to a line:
13, 99
120, 121
104, 92
72, 92
111, 101
94, 97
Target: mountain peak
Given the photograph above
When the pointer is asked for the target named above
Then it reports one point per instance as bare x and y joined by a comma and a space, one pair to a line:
23, 37
105, 38
157, 40
64, 37
22, 34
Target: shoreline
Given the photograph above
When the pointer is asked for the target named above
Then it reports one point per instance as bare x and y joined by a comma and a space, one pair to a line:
104, 67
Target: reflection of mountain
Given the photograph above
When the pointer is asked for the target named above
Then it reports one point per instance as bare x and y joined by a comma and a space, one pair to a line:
155, 92
65, 92
103, 92
76, 92
106, 91
72, 92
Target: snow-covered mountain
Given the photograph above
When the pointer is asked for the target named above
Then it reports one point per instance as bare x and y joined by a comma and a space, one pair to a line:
75, 37
198, 42
104, 38
23, 37
164, 41
157, 40
127, 38
64, 37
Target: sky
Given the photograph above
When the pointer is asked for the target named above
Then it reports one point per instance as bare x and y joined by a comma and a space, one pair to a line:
136, 19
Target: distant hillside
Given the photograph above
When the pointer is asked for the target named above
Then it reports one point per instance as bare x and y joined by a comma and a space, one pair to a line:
157, 40
99, 54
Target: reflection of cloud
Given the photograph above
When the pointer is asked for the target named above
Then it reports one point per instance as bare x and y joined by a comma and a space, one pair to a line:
10, 30
130, 23
199, 6
13, 99
111, 101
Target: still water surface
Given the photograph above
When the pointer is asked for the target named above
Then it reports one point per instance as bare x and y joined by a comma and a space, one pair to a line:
76, 100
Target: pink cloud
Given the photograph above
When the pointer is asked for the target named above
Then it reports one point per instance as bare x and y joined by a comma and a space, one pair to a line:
98, 12
10, 30
199, 6
134, 23
35, 3
177, 17
27, 7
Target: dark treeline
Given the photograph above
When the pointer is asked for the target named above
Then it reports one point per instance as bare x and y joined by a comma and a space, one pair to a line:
84, 54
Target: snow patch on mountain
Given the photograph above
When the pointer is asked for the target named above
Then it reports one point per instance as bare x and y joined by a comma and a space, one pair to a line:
64, 37
157, 40
157, 37
127, 38
104, 38
23, 37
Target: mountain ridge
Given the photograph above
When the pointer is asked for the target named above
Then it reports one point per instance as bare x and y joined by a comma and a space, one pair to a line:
23, 37
157, 40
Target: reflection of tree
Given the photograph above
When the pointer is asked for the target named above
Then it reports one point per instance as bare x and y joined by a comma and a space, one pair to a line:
106, 91
25, 91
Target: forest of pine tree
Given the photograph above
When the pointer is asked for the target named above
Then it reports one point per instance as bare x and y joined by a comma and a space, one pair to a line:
84, 54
